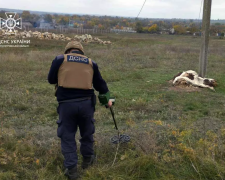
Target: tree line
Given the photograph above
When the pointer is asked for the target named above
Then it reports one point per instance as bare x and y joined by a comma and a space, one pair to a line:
141, 25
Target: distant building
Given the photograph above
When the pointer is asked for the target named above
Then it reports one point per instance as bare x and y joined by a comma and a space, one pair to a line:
165, 31
26, 25
220, 35
172, 31
127, 28
122, 31
45, 25
197, 34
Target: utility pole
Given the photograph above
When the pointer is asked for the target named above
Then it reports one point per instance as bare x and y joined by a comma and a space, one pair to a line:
205, 37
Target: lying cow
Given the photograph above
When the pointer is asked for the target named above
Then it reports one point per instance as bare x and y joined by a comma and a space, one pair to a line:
191, 77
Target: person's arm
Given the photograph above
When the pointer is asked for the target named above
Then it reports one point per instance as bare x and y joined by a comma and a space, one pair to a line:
99, 83
53, 72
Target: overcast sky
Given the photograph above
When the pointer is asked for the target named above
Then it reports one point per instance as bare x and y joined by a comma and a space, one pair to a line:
188, 9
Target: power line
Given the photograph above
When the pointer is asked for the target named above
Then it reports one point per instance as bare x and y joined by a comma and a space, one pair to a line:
200, 10
200, 14
141, 8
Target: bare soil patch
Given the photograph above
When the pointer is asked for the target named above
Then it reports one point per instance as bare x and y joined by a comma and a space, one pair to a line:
183, 88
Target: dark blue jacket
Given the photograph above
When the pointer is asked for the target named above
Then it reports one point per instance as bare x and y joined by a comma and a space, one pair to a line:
68, 93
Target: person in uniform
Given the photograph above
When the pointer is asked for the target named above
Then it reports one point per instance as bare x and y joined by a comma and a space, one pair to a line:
75, 76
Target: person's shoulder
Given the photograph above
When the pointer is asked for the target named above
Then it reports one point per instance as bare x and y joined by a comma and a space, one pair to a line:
93, 62
59, 57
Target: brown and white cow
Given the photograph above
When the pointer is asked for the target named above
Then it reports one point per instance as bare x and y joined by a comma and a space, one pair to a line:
191, 77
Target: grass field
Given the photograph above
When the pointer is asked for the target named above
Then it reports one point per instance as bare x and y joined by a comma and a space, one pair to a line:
176, 133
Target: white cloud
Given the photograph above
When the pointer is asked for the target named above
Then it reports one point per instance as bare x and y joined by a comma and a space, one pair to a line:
152, 8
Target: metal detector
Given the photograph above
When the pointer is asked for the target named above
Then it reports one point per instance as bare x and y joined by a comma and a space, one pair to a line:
120, 138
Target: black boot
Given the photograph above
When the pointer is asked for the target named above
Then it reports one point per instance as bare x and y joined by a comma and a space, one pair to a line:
72, 173
88, 161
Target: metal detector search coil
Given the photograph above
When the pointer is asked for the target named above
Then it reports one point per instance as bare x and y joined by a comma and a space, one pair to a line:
122, 139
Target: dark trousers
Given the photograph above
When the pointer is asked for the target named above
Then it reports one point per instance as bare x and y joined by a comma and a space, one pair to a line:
72, 115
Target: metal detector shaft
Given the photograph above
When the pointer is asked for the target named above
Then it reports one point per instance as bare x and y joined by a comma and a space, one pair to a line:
111, 109
120, 138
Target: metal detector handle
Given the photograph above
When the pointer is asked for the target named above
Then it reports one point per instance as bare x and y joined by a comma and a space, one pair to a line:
111, 109
112, 99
